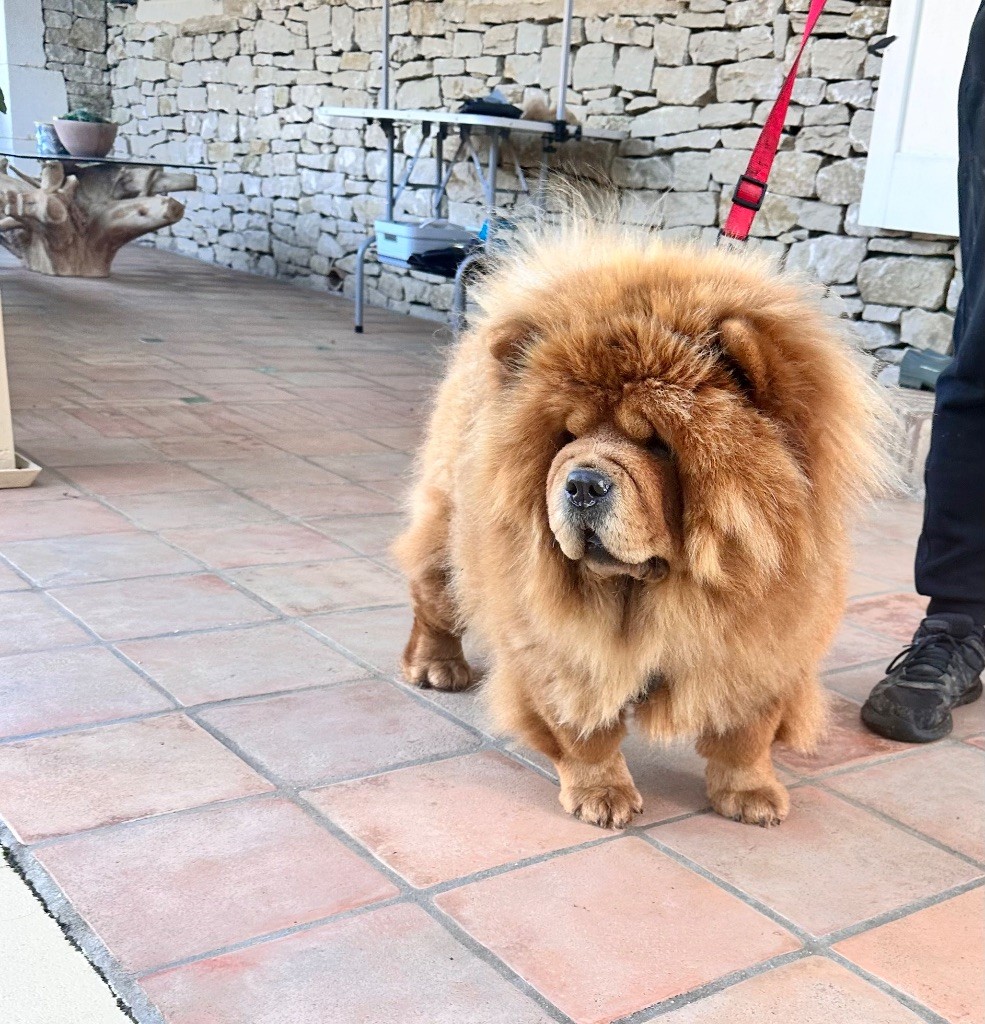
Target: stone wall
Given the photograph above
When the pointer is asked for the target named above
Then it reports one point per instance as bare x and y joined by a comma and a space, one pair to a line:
690, 80
75, 45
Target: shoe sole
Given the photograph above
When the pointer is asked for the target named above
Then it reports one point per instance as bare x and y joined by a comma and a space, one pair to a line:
904, 732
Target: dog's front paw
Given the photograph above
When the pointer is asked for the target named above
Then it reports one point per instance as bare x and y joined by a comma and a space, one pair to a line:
427, 669
606, 806
440, 673
435, 659
766, 805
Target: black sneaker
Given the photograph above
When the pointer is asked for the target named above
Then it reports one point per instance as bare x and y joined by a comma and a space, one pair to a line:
940, 670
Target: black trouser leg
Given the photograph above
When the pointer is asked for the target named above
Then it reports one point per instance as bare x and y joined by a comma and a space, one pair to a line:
950, 565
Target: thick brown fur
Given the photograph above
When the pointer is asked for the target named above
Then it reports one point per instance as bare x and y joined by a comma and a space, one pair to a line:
739, 433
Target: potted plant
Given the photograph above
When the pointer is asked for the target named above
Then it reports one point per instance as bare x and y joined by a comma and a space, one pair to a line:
85, 134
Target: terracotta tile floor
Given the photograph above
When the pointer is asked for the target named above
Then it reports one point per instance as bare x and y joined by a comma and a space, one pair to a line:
208, 767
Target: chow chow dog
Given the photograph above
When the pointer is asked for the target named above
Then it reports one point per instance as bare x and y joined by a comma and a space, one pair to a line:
636, 487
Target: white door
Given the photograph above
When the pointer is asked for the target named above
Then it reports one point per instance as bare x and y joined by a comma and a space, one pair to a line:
911, 174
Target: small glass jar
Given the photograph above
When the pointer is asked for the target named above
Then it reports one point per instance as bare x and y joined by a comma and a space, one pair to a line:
47, 142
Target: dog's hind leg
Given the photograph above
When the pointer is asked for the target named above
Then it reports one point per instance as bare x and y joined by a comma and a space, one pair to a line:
433, 655
805, 715
742, 784
595, 782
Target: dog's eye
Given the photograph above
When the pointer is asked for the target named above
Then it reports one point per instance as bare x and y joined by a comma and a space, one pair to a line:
566, 438
659, 447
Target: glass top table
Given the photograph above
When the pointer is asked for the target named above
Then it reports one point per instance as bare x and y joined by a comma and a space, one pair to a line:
26, 153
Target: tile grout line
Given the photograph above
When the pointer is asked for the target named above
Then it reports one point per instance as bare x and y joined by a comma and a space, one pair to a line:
7, 859
273, 608
833, 673
808, 938
50, 593
407, 892
905, 910
496, 870
486, 741
106, 501
500, 966
666, 1006
726, 981
874, 761
284, 618
222, 575
803, 936
916, 1007
100, 642
273, 936
811, 945
97, 831
297, 794
281, 617
979, 865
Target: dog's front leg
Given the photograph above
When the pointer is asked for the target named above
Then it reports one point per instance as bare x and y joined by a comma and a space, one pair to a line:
742, 784
596, 784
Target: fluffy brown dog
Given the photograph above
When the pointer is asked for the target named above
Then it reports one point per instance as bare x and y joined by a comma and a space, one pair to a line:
635, 486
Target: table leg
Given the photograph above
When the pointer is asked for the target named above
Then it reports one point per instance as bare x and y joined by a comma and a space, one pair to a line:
491, 182
439, 169
458, 296
360, 280
546, 148
388, 130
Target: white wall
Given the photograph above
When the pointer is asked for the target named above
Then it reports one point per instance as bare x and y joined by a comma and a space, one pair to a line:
33, 93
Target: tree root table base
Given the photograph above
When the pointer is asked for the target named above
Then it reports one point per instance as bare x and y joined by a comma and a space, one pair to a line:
73, 219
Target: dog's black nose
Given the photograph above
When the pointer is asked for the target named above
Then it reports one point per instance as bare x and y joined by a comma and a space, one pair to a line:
586, 487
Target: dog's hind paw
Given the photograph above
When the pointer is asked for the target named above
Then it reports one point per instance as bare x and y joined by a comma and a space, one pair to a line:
766, 806
606, 806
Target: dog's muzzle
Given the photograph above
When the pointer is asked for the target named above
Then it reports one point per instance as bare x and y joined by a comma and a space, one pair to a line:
589, 498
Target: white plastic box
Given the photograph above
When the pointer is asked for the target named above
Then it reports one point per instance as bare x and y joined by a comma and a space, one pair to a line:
401, 239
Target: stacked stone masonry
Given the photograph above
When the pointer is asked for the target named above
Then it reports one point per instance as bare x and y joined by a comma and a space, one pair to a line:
690, 81
75, 45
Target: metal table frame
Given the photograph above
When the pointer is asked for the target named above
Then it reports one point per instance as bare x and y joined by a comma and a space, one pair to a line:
497, 129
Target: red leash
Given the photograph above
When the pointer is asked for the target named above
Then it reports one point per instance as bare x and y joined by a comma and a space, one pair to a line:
751, 188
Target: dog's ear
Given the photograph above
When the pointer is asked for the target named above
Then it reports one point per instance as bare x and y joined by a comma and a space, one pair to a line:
785, 386
739, 351
509, 340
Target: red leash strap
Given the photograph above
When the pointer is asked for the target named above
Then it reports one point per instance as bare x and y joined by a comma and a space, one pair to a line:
751, 188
